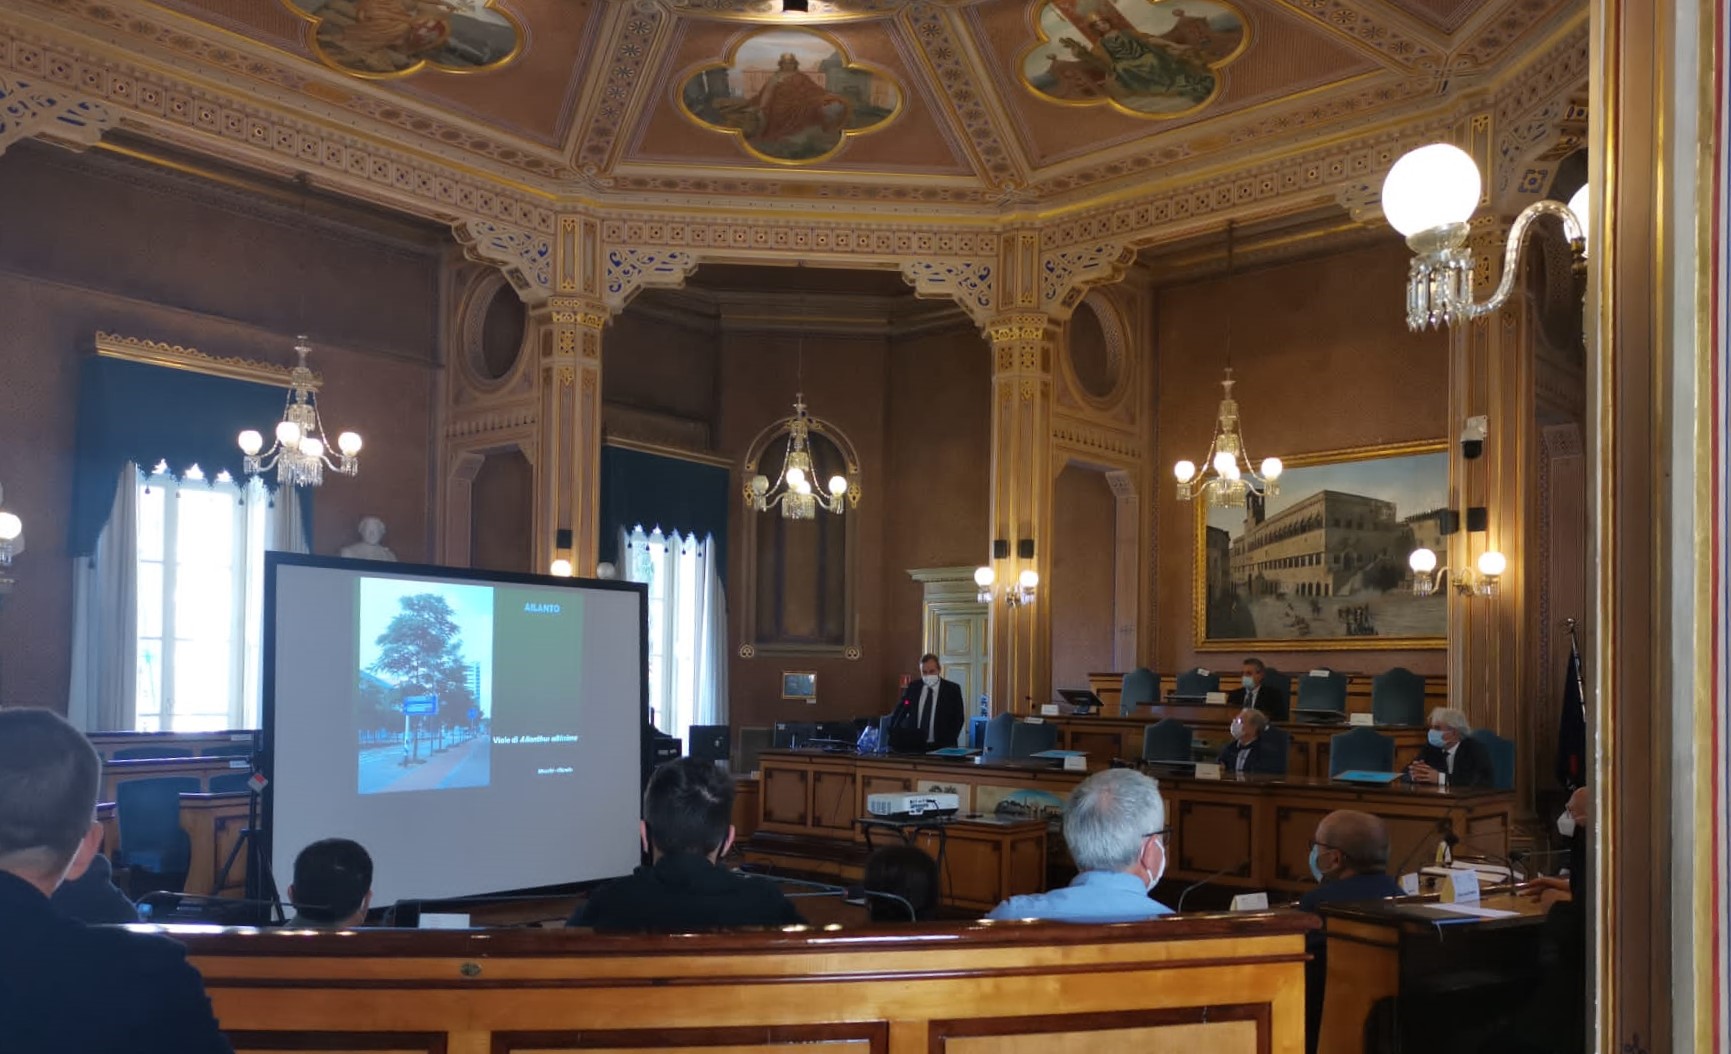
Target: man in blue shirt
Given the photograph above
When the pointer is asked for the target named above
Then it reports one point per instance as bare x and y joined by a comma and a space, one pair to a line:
1115, 826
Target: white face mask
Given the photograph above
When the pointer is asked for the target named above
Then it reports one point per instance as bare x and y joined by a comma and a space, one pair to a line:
1566, 825
1248, 681
931, 679
1154, 876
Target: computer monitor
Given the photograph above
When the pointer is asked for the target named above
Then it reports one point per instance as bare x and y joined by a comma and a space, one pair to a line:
1081, 699
790, 734
710, 742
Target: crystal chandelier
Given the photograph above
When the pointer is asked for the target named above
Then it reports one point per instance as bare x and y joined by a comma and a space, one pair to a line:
1227, 478
794, 489
301, 453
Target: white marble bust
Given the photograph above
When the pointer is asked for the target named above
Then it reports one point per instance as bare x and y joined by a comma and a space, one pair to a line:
372, 531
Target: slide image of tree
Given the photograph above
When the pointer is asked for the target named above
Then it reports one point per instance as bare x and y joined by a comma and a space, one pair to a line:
423, 690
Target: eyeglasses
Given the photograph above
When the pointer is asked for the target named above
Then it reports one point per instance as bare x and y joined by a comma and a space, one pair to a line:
1314, 844
1160, 834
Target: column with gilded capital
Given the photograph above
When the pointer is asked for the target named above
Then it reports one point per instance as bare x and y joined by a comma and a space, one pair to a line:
1022, 350
568, 471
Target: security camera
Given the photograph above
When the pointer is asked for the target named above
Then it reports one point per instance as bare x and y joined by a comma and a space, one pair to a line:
1473, 437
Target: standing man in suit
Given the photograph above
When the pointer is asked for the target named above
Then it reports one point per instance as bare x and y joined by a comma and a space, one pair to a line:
1248, 753
1254, 695
930, 705
1450, 754
64, 985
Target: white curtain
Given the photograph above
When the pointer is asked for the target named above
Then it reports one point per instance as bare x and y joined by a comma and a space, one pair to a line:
687, 626
273, 522
104, 680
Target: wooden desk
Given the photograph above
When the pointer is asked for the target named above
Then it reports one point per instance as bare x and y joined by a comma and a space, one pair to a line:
1258, 825
1109, 686
1373, 946
213, 822
1108, 735
1200, 984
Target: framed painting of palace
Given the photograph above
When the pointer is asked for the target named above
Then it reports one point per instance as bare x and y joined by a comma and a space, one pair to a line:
1323, 563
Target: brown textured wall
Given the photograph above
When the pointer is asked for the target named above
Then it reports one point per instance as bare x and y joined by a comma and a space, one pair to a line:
1084, 537
938, 486
1324, 360
652, 364
88, 248
502, 528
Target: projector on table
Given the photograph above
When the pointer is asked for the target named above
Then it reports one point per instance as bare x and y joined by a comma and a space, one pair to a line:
912, 806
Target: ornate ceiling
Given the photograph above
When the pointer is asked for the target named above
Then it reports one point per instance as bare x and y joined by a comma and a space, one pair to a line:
966, 108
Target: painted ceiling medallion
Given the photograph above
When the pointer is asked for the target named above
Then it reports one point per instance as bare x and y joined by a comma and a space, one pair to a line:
790, 96
1147, 58
394, 38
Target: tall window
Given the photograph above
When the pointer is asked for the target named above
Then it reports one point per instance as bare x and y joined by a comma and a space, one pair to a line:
200, 570
687, 626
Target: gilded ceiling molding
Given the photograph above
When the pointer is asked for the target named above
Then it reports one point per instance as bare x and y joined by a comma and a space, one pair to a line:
175, 357
933, 30
1066, 274
1088, 437
630, 271
641, 28
771, 11
30, 109
969, 283
495, 420
525, 257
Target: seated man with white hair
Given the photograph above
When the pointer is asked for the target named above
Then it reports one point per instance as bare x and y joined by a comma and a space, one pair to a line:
1451, 756
1115, 826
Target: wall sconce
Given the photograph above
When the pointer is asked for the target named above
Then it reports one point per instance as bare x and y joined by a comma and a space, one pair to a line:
1427, 578
11, 534
561, 565
1429, 197
1027, 584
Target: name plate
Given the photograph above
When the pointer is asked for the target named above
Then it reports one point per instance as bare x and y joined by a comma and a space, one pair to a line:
1361, 720
1250, 902
1076, 763
1215, 699
1207, 770
1050, 709
1031, 720
1460, 887
1409, 883
443, 921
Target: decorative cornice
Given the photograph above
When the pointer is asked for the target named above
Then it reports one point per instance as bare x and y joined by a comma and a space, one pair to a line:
29, 109
1093, 438
175, 357
526, 257
493, 419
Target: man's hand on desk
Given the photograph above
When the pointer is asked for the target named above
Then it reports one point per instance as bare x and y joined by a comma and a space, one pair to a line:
1421, 773
1547, 888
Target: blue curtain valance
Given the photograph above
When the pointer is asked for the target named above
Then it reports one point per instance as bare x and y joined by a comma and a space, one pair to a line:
667, 492
130, 411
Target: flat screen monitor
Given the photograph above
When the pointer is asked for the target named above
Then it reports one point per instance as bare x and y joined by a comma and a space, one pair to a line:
478, 733
1081, 698
793, 734
710, 742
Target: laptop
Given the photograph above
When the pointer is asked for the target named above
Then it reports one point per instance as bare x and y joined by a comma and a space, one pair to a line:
1081, 700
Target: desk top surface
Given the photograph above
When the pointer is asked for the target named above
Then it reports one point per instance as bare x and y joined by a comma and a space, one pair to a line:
1420, 912
1151, 713
973, 767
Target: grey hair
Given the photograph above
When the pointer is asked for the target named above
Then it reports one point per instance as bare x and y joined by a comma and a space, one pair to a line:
1255, 717
1449, 717
1109, 818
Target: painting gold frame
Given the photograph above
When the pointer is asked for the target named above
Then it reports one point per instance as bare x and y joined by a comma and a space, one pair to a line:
1042, 40
313, 45
1199, 570
791, 677
677, 83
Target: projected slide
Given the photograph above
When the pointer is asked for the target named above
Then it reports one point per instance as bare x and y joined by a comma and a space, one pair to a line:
424, 695
476, 732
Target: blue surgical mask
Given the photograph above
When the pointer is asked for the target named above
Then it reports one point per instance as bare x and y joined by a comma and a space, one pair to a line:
1315, 869
1249, 681
1435, 738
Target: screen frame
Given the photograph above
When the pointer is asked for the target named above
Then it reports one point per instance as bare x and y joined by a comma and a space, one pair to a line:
276, 559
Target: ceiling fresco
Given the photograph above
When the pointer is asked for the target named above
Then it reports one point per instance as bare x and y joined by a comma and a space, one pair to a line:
962, 105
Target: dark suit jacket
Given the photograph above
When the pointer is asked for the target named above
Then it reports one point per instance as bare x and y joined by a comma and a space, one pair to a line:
684, 893
1341, 891
1472, 763
949, 718
94, 898
66, 986
1262, 759
1269, 699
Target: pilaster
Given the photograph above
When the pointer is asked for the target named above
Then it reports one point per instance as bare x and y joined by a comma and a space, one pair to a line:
568, 470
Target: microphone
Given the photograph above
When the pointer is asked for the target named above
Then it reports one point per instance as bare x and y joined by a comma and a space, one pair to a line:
1444, 827
1194, 886
859, 895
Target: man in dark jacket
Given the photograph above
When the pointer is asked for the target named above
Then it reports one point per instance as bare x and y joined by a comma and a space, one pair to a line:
686, 827
66, 986
1249, 753
93, 897
1348, 859
1451, 755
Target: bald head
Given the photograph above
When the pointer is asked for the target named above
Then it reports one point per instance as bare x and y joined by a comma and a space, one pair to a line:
1360, 838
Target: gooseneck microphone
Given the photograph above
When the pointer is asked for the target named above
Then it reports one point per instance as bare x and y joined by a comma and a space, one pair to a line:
1194, 886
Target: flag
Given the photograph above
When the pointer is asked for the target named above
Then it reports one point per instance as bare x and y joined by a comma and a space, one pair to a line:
1572, 725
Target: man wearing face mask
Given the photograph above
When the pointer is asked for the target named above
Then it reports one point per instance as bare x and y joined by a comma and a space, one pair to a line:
1450, 755
929, 714
1249, 753
1347, 858
1253, 694
1115, 826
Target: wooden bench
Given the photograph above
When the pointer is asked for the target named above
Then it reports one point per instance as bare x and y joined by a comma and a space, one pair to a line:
1200, 984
